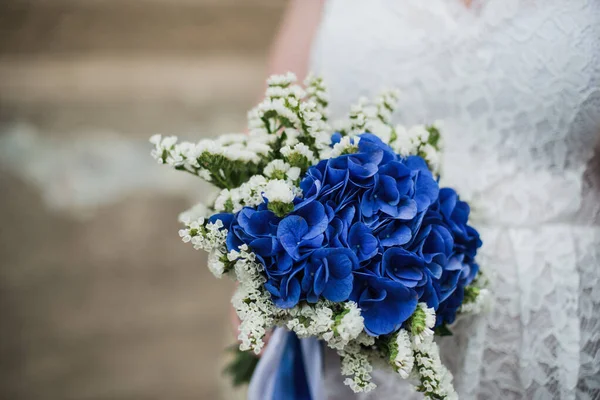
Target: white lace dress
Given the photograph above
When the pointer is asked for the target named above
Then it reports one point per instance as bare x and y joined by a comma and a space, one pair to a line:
517, 85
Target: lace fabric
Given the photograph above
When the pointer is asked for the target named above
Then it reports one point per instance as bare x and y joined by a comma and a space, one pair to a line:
517, 86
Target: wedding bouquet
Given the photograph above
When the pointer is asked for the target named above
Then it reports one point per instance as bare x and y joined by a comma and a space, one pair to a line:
342, 234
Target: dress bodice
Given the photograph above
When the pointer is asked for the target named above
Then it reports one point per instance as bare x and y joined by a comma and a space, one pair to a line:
516, 84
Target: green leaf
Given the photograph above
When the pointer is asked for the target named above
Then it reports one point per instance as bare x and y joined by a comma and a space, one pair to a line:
434, 136
241, 368
471, 293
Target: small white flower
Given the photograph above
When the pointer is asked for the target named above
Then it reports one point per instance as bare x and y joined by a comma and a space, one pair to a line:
235, 154
185, 236
276, 168
291, 137
222, 199
162, 145
204, 174
345, 145
155, 139
435, 378
380, 129
432, 156
215, 264
293, 173
232, 138
482, 303
257, 147
209, 146
299, 149
424, 335
352, 323
404, 143
419, 133
404, 359
279, 190
281, 80
355, 363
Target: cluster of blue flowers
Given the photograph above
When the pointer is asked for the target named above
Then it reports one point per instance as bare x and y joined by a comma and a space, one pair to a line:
373, 228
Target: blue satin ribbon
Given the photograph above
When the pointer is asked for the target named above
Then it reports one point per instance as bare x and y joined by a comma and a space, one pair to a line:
289, 369
291, 382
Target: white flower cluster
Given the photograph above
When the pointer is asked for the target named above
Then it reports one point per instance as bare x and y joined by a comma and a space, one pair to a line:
316, 91
251, 301
235, 147
253, 193
337, 326
209, 237
315, 125
359, 114
418, 140
216, 263
278, 190
163, 146
346, 145
376, 118
310, 320
247, 194
372, 117
401, 353
298, 155
482, 303
386, 104
205, 236
217, 161
436, 380
293, 112
282, 80
357, 365
348, 327
422, 324
279, 169
343, 330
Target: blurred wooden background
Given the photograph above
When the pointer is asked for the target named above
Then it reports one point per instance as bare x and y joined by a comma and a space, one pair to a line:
99, 299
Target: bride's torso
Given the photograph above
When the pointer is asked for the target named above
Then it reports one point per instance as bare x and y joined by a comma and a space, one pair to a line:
517, 86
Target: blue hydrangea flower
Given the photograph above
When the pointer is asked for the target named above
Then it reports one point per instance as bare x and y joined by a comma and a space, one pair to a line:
328, 273
362, 241
385, 304
301, 232
372, 227
461, 268
285, 291
446, 312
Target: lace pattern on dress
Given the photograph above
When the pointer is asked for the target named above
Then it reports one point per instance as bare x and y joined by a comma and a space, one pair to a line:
517, 85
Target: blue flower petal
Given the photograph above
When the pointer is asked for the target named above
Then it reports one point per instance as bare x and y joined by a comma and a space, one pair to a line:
316, 219
292, 295
385, 304
290, 231
395, 234
338, 289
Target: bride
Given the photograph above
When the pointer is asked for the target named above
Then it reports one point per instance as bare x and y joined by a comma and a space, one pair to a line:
517, 86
